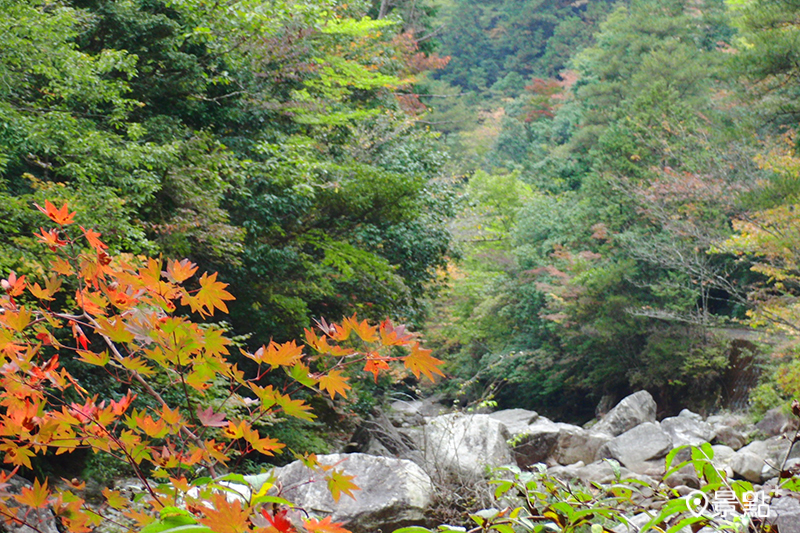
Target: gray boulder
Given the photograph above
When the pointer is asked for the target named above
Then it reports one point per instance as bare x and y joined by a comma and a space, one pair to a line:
637, 522
687, 430
764, 456
516, 420
405, 413
776, 422
636, 409
729, 436
784, 512
393, 493
722, 454
537, 443
747, 465
686, 476
465, 444
597, 472
722, 458
577, 444
685, 413
640, 449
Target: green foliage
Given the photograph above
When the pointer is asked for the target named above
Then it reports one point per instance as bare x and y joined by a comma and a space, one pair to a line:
636, 163
262, 139
535, 501
490, 41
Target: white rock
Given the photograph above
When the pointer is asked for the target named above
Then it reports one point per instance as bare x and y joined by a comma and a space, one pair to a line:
629, 413
393, 493
465, 444
639, 449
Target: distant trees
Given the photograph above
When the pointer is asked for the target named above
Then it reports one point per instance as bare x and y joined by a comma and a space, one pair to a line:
639, 158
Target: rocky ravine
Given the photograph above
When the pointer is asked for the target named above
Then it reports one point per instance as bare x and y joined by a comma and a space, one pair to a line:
407, 454
403, 459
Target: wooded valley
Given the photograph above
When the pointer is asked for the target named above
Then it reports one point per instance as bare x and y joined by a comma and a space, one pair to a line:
565, 201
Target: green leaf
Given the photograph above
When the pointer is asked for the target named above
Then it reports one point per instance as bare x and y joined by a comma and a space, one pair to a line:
671, 455
413, 529
686, 522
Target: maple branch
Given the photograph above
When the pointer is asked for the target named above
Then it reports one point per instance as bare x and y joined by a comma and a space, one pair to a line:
183, 383
14, 518
146, 386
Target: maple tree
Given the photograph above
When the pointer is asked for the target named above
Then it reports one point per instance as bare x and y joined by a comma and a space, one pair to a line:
130, 315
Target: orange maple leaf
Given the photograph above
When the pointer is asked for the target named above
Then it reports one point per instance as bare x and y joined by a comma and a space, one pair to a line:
286, 354
50, 238
421, 361
40, 293
13, 285
180, 271
376, 365
61, 266
116, 331
34, 497
334, 382
226, 516
393, 336
61, 216
16, 320
279, 520
362, 329
94, 239
153, 428
324, 526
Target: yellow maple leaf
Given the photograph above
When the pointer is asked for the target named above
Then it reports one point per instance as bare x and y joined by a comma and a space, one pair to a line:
334, 382
339, 483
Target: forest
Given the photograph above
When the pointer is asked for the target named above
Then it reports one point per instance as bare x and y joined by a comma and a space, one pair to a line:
538, 204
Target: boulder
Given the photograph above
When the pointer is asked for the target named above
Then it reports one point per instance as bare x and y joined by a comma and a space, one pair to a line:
577, 444
537, 444
393, 493
639, 449
685, 413
464, 444
637, 522
686, 476
736, 421
377, 435
729, 436
633, 410
770, 454
785, 513
516, 420
598, 472
722, 458
776, 422
747, 465
405, 413
686, 430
